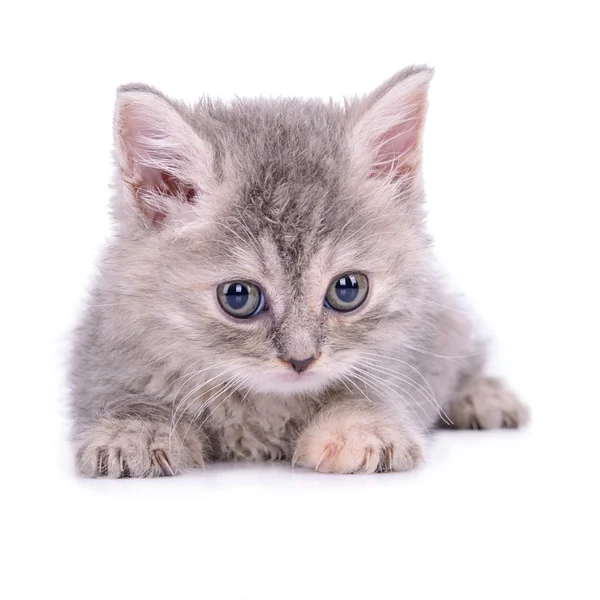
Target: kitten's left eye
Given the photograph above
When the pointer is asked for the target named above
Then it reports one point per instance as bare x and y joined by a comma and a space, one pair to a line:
240, 299
347, 292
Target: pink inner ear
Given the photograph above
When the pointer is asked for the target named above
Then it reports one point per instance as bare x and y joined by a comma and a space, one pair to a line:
397, 144
156, 182
164, 183
157, 148
153, 179
398, 151
391, 128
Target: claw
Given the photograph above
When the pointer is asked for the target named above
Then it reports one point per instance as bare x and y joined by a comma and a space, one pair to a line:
163, 463
369, 453
325, 452
102, 463
389, 458
295, 459
124, 468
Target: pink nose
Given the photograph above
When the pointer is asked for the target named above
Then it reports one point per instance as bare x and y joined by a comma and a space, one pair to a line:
300, 365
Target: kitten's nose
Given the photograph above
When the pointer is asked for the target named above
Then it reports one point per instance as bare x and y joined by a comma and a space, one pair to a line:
301, 365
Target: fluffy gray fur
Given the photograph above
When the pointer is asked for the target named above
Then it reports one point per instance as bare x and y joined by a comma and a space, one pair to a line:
288, 194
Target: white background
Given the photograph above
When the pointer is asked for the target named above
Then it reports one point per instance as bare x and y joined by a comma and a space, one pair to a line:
511, 169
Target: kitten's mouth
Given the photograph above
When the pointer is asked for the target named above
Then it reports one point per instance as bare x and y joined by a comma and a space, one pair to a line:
292, 376
289, 382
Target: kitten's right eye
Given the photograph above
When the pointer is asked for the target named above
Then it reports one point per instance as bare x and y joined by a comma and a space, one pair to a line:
241, 299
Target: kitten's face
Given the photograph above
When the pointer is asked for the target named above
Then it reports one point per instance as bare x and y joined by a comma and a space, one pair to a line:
282, 241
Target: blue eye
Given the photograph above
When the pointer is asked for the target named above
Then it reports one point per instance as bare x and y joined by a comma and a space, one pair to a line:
240, 299
347, 292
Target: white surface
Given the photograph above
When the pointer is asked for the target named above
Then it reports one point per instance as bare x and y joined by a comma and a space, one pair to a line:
511, 168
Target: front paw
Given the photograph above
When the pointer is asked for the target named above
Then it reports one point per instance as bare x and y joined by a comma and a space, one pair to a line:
116, 448
358, 443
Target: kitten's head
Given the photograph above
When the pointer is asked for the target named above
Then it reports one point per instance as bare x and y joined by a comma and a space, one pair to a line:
279, 242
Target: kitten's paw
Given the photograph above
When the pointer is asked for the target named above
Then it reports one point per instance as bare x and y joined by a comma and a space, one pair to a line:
485, 403
117, 448
357, 445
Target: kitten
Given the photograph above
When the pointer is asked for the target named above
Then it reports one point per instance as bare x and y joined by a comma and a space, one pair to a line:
270, 293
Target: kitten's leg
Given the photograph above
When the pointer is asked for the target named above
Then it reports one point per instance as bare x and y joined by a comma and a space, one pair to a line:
485, 403
348, 437
135, 444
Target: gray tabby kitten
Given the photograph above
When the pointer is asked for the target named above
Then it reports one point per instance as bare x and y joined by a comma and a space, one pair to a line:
270, 293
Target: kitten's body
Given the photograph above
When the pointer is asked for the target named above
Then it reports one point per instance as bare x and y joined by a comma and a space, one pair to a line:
287, 194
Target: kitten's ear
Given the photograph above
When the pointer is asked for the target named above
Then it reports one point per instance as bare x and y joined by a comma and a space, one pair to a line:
388, 124
163, 162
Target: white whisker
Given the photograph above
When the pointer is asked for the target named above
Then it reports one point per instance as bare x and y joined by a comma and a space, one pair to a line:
358, 388
237, 388
195, 374
378, 381
191, 393
451, 358
373, 356
429, 395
